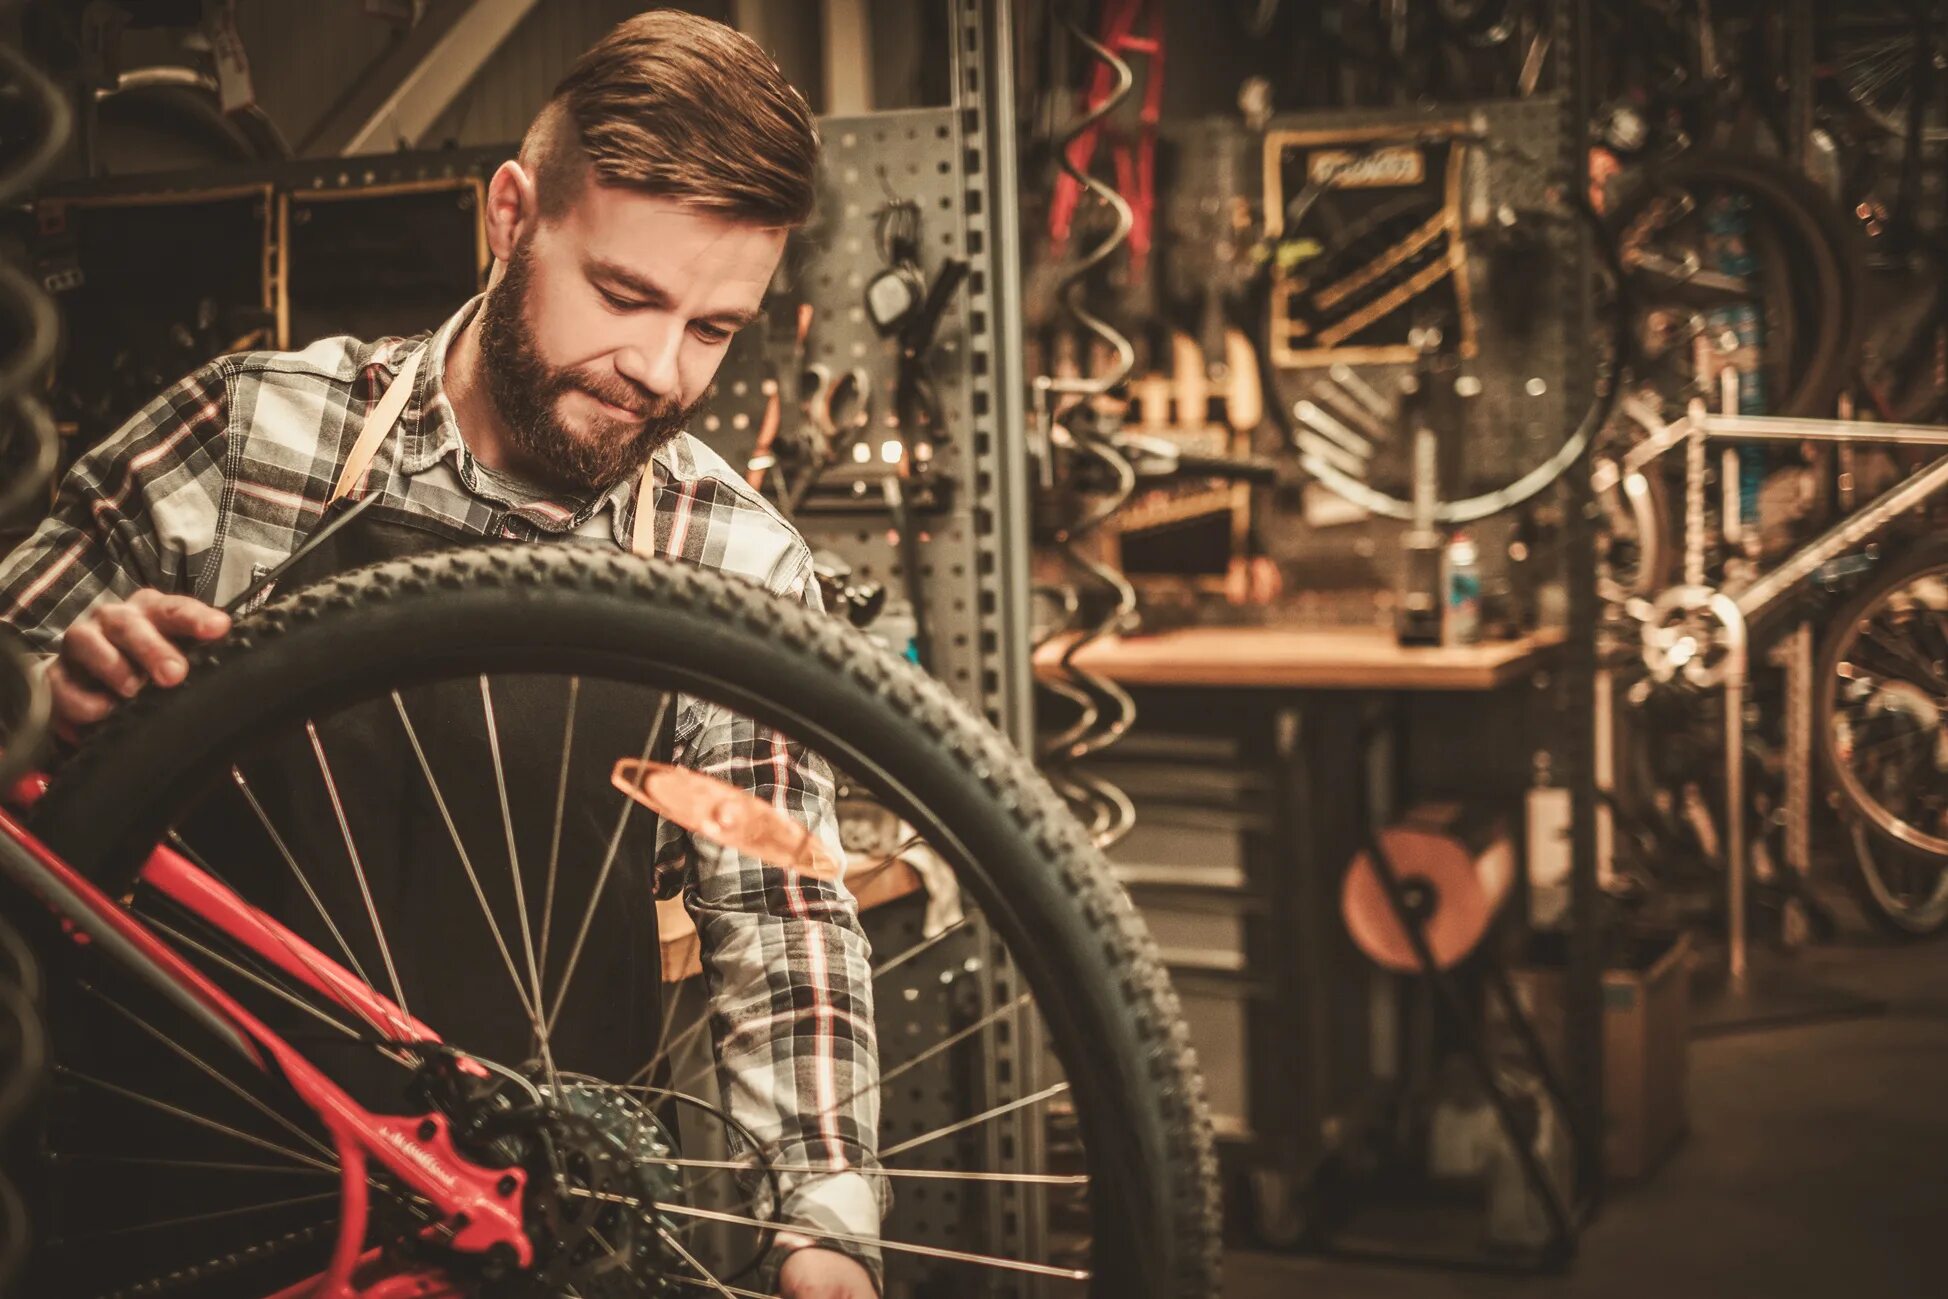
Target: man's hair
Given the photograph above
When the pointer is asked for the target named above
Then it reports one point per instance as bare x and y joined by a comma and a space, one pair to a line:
683, 108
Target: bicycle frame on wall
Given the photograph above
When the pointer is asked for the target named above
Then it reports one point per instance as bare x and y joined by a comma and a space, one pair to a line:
1719, 659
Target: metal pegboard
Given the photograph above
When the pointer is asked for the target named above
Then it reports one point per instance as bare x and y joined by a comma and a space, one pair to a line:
957, 164
910, 155
936, 159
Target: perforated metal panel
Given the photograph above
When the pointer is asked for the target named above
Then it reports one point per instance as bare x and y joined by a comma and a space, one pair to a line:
957, 164
919, 155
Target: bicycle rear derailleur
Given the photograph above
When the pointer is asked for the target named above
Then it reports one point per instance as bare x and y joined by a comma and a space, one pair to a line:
597, 1164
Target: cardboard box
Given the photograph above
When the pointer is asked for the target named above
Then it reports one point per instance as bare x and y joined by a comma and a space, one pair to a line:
1646, 1036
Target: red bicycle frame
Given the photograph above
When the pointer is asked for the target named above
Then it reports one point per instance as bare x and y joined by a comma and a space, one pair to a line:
479, 1208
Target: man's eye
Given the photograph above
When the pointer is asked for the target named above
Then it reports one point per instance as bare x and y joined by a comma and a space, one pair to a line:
713, 333
620, 304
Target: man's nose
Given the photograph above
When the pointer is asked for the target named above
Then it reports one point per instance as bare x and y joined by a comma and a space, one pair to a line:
650, 360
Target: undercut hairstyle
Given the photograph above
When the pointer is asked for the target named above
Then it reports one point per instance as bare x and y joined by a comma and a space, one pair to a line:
683, 108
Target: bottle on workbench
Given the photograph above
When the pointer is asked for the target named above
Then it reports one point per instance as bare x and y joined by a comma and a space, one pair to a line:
1461, 591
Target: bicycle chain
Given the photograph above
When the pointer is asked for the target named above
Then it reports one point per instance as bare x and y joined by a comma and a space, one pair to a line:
248, 1256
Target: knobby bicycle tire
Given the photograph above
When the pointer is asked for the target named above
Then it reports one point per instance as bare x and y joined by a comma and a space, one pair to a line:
1112, 1016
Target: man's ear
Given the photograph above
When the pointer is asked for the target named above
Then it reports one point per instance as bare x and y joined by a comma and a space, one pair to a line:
513, 209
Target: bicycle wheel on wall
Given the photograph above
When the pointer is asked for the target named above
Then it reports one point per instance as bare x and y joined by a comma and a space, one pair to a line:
1041, 1124
1882, 683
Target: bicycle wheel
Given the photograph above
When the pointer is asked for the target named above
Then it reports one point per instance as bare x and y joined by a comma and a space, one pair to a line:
1805, 285
1871, 48
1042, 1068
1882, 682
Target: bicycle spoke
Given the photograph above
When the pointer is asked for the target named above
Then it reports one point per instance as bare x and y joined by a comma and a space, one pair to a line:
720, 1287
520, 889
243, 972
1908, 737
950, 1041
209, 1070
933, 1174
285, 994
666, 1047
277, 839
944, 1044
918, 948
983, 1117
884, 861
871, 1242
602, 874
188, 1218
190, 1116
561, 805
1890, 641
358, 867
705, 1273
466, 863
297, 953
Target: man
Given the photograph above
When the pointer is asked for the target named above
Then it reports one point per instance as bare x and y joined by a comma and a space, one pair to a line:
633, 236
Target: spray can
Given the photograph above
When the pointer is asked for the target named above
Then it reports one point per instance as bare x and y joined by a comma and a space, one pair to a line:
1463, 591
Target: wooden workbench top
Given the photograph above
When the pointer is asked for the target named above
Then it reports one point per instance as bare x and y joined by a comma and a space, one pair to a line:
1295, 658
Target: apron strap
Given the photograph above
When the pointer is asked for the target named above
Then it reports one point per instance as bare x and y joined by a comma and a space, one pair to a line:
372, 435
642, 526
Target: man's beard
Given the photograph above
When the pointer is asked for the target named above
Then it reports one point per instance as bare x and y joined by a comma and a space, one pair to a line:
526, 392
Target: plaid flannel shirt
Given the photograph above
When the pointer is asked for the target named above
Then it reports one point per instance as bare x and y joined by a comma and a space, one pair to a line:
224, 474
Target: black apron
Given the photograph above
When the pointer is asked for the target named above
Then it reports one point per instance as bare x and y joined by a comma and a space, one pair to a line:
452, 964
449, 959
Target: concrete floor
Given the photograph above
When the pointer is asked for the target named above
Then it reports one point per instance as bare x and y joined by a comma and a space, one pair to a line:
1817, 1165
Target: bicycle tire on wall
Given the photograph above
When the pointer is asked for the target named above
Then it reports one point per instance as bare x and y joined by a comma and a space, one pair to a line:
1112, 1016
1827, 252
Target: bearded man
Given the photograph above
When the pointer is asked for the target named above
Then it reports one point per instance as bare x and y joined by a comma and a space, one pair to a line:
633, 236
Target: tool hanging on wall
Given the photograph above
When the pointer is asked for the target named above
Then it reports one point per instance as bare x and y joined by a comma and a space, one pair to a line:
895, 294
764, 453
916, 415
839, 409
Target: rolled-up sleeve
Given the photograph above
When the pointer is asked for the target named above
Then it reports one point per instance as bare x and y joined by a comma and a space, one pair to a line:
788, 975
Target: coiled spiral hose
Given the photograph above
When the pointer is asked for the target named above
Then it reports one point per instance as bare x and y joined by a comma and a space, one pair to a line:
1106, 711
28, 456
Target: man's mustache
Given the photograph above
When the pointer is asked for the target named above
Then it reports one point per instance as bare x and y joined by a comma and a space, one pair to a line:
629, 397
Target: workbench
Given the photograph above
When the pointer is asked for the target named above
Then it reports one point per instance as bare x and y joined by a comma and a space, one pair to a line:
1256, 754
1295, 658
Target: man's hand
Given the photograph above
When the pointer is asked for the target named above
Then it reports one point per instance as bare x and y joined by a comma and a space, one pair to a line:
824, 1274
118, 647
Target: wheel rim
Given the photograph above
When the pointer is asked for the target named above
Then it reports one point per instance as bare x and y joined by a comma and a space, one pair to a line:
1906, 898
1031, 1119
1888, 687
